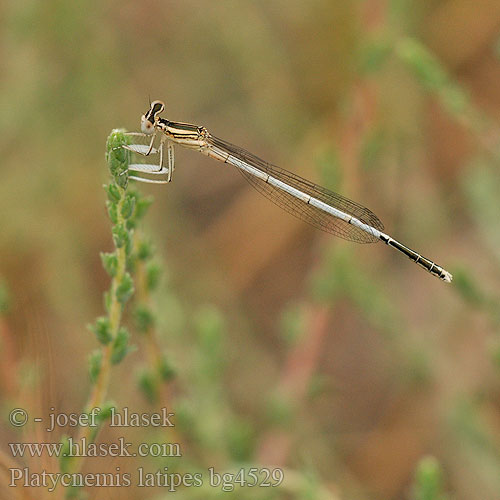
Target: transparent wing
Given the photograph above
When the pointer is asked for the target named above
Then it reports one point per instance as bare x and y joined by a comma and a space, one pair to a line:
300, 209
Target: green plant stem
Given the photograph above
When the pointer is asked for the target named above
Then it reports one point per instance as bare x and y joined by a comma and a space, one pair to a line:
115, 303
115, 315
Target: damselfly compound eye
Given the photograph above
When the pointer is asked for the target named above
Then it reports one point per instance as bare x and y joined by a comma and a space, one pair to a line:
157, 107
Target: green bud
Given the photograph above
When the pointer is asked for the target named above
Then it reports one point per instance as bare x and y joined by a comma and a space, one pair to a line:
144, 318
152, 275
120, 236
131, 223
114, 194
117, 157
105, 412
112, 211
122, 179
110, 263
166, 370
145, 250
131, 262
148, 384
102, 330
100, 417
428, 480
121, 346
116, 139
95, 362
125, 289
129, 245
128, 206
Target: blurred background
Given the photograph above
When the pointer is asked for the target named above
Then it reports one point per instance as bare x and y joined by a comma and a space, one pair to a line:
347, 365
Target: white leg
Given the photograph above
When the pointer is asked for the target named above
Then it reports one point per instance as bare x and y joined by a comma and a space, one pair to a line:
160, 150
148, 169
153, 169
151, 181
170, 160
141, 149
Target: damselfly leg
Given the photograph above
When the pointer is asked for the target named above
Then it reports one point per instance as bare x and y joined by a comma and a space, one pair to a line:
157, 170
142, 148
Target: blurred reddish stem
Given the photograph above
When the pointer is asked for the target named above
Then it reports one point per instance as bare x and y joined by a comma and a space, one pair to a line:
374, 14
299, 369
303, 358
364, 102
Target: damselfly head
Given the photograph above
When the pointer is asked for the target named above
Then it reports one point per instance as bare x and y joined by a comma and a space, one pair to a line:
149, 120
146, 126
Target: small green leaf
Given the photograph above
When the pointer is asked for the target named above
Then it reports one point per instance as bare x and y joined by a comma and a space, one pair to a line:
128, 206
125, 289
130, 223
117, 157
110, 263
144, 250
143, 317
95, 363
121, 236
102, 330
114, 194
121, 346
427, 68
148, 384
166, 370
112, 211
428, 480
153, 272
105, 412
122, 180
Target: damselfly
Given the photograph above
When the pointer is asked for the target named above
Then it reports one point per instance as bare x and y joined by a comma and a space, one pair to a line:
313, 204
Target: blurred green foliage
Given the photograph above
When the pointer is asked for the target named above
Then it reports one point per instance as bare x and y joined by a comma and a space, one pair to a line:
4, 297
428, 480
366, 101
